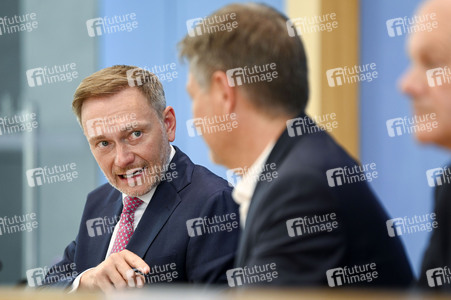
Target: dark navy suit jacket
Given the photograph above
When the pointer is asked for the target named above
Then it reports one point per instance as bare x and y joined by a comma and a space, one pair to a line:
300, 190
161, 237
438, 253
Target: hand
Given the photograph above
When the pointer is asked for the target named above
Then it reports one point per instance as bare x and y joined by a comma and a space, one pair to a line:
116, 272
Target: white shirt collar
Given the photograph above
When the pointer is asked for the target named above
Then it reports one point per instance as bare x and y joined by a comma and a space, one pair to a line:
243, 191
146, 197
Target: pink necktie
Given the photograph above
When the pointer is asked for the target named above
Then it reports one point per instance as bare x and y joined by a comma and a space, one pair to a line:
126, 230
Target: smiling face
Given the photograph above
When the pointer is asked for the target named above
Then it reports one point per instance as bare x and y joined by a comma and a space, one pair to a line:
128, 140
430, 50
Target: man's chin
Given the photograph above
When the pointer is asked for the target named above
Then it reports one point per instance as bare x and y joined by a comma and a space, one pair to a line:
215, 158
136, 193
427, 138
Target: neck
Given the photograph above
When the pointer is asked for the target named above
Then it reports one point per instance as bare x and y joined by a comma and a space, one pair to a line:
256, 132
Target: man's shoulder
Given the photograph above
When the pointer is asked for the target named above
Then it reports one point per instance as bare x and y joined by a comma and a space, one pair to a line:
197, 182
304, 175
443, 194
199, 177
316, 152
206, 192
208, 183
104, 191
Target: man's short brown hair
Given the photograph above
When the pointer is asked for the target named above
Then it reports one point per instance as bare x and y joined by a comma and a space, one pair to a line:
112, 80
260, 38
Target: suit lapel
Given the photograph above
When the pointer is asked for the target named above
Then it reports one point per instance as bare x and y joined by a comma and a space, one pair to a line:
160, 208
111, 210
277, 155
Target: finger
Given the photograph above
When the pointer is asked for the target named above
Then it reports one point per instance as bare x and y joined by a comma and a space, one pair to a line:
134, 279
140, 281
104, 284
130, 274
134, 261
124, 268
117, 279
109, 270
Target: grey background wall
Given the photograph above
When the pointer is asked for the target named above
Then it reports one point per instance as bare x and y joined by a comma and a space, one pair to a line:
58, 39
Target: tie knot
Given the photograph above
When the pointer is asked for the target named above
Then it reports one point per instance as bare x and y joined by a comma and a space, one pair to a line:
131, 204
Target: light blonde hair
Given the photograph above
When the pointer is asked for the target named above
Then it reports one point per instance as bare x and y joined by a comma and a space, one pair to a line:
112, 80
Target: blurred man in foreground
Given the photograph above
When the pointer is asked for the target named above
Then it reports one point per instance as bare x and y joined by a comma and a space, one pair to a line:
168, 203
306, 208
430, 53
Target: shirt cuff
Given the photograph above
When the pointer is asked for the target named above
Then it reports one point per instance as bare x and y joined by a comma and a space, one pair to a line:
76, 282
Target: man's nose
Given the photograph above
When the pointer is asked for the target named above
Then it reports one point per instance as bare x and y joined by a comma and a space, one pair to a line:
411, 84
124, 156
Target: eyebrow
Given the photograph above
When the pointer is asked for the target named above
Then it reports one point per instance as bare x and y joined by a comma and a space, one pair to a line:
122, 130
97, 138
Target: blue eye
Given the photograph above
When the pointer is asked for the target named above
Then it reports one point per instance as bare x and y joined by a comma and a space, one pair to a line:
137, 134
103, 144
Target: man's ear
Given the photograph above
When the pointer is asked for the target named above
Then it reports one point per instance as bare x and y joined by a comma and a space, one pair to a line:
225, 95
169, 122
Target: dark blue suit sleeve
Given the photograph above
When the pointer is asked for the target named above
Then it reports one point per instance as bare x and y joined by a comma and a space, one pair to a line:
212, 253
64, 272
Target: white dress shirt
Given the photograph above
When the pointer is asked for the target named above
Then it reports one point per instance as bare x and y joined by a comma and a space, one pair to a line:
138, 215
243, 191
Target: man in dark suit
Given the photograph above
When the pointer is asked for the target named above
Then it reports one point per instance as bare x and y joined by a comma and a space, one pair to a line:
430, 53
309, 217
160, 214
437, 258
